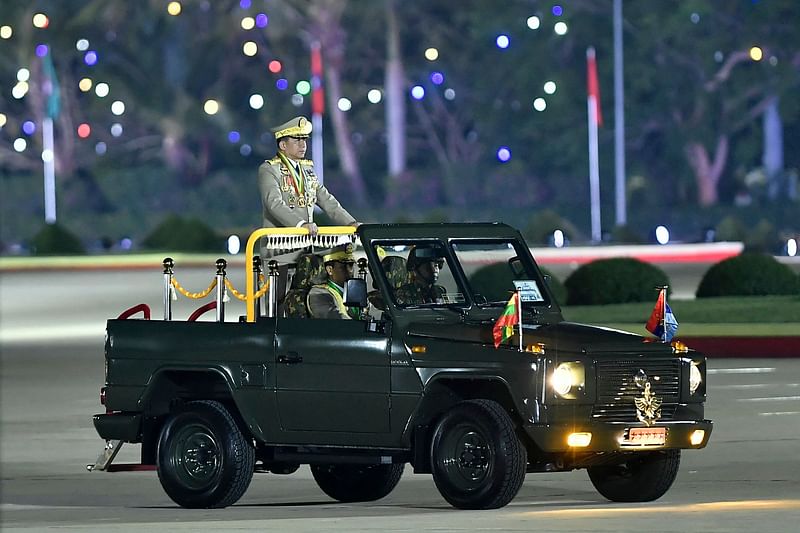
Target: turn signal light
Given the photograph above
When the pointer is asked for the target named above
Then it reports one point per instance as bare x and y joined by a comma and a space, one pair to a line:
579, 440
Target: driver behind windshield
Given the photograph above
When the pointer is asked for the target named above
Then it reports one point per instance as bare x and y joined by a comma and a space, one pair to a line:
424, 266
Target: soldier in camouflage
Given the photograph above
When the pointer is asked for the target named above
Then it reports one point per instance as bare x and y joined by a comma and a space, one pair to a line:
424, 265
310, 271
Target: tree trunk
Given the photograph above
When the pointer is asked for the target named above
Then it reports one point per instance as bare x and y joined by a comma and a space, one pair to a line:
707, 172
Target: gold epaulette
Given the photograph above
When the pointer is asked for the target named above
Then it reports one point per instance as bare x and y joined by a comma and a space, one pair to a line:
306, 162
274, 161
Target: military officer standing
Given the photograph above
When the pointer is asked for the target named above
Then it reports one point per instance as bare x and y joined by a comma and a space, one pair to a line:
289, 187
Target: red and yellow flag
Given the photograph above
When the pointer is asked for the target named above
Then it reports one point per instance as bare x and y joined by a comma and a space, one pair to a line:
504, 327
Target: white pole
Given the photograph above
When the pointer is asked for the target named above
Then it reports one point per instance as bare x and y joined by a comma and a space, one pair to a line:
48, 157
519, 319
594, 171
316, 145
619, 119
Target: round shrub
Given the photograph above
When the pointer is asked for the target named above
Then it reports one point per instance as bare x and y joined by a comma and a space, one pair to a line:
614, 281
497, 279
183, 235
748, 274
55, 239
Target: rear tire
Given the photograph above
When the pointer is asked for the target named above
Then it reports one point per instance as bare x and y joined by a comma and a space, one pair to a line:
645, 477
357, 483
203, 459
478, 461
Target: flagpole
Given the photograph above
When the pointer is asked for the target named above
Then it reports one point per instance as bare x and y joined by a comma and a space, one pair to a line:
317, 109
594, 165
664, 314
519, 318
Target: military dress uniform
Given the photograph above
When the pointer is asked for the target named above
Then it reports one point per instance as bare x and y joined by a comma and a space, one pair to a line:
290, 189
326, 300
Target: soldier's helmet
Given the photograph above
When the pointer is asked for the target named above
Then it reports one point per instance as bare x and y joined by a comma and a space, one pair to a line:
310, 271
395, 268
419, 255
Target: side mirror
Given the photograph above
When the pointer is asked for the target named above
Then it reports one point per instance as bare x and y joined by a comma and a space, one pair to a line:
515, 263
355, 293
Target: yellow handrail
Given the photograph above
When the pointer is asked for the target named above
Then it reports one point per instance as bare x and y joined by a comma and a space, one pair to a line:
263, 232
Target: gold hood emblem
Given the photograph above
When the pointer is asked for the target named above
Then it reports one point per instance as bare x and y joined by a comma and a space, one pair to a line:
648, 407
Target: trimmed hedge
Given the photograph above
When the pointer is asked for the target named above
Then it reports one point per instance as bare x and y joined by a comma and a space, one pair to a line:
184, 235
749, 274
55, 239
614, 281
498, 279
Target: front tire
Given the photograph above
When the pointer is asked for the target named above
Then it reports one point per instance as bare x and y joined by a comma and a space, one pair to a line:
357, 483
645, 477
478, 461
203, 459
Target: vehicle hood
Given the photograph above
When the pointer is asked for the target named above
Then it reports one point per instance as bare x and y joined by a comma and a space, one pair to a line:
564, 336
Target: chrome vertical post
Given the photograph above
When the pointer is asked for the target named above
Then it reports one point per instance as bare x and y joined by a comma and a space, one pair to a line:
168, 265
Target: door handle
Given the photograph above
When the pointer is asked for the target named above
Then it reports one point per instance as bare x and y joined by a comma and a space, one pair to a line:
291, 359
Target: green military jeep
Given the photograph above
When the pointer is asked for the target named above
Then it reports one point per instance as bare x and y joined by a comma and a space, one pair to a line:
414, 381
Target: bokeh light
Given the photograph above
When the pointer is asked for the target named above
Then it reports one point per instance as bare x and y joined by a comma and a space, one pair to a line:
234, 244
558, 10
344, 104
449, 94
47, 155
245, 150
262, 20
695, 18
549, 87
211, 106
374, 96
244, 4
297, 100
174, 8
23, 74
116, 129
100, 148
437, 78
503, 154
233, 137
534, 22
102, 89
756, 54
274, 66
40, 20
20, 144
250, 48
540, 104
28, 127
256, 101
20, 89
3, 119
82, 45
282, 84
558, 238
90, 58
560, 28
84, 130
502, 41
431, 54
418, 92
303, 87
118, 107
41, 50
791, 247
6, 32
85, 85
248, 23
662, 235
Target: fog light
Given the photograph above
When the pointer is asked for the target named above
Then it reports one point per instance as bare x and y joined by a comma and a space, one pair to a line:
580, 440
697, 436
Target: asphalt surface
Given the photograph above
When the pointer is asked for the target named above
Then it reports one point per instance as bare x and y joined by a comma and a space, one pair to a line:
51, 370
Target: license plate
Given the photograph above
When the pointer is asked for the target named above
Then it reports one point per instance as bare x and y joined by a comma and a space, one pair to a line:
646, 436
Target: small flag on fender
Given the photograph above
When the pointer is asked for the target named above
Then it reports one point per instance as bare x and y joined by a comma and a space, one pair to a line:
504, 327
662, 322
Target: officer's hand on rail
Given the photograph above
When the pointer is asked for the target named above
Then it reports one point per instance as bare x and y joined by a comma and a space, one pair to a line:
312, 228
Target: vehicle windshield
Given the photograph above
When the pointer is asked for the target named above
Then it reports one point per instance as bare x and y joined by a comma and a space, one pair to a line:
496, 268
425, 273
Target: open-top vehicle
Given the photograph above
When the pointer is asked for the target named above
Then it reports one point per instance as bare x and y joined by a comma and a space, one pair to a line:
421, 383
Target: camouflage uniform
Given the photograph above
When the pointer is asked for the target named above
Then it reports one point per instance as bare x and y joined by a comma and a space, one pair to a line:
395, 269
310, 271
413, 293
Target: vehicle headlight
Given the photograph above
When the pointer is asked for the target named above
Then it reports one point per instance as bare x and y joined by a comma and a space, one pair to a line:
566, 378
695, 378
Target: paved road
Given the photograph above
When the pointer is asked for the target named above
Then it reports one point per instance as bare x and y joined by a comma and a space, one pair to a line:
748, 479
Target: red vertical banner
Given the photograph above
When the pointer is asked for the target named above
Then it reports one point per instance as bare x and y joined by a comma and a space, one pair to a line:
593, 86
317, 93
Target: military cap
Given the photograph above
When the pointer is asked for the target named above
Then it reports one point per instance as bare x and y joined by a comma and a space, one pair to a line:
340, 253
297, 127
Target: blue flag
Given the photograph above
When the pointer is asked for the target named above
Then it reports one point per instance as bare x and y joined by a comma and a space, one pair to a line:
662, 322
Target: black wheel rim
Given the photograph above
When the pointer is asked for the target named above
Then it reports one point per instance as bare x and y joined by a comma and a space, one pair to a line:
195, 456
466, 457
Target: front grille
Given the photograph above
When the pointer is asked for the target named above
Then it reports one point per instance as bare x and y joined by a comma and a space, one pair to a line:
616, 388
